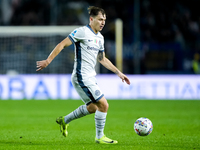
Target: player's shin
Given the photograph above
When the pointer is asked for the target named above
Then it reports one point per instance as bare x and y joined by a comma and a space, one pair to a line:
81, 111
100, 119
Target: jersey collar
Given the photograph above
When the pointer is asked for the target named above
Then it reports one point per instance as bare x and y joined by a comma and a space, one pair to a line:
92, 30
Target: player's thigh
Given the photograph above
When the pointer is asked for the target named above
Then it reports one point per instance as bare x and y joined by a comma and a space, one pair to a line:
102, 104
84, 97
89, 91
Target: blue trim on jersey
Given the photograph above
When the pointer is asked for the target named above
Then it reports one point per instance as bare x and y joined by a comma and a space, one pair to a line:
96, 100
91, 29
71, 39
88, 103
78, 57
99, 97
79, 75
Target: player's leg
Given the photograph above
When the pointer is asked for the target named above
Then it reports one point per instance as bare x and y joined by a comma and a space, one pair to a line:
100, 120
81, 111
92, 108
84, 110
64, 121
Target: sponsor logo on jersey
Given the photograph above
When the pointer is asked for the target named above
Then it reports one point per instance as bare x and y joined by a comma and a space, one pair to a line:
95, 41
92, 48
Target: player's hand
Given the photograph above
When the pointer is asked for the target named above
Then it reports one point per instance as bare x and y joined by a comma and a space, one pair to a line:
41, 64
124, 78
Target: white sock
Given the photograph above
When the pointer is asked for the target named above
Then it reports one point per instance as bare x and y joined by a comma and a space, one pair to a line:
77, 113
100, 120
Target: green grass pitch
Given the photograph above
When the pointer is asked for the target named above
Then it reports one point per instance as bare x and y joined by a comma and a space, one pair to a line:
30, 124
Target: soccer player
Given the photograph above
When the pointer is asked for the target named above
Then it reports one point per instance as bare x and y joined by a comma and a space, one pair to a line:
89, 46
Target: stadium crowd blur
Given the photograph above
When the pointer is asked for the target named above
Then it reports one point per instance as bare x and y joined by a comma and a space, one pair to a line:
169, 30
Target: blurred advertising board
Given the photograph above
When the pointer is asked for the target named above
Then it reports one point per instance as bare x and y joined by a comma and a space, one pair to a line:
158, 87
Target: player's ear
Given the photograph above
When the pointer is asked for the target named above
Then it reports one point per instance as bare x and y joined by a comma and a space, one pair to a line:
91, 19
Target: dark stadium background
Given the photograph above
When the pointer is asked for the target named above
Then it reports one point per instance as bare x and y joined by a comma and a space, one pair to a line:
168, 33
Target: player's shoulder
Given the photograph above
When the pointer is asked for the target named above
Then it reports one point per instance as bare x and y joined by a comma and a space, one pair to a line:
78, 32
89, 30
100, 35
86, 29
82, 28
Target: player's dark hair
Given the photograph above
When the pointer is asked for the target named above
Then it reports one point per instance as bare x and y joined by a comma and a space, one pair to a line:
94, 11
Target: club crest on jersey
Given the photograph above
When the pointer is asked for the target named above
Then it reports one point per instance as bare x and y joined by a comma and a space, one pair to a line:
74, 32
97, 92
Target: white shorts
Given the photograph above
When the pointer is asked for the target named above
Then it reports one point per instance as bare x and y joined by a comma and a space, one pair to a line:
88, 89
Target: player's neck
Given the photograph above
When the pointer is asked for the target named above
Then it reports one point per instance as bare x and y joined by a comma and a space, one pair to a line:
93, 29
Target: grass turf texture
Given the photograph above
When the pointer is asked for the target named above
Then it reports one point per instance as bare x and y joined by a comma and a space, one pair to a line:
30, 124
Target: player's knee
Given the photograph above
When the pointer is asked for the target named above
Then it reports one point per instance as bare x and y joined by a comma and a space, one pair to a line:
106, 106
91, 108
103, 107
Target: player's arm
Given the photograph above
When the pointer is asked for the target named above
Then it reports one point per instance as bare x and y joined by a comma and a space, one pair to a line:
59, 47
107, 63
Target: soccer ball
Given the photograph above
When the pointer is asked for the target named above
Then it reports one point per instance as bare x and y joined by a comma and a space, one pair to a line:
143, 126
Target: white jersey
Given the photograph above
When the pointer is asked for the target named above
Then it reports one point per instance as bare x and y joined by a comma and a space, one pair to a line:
87, 46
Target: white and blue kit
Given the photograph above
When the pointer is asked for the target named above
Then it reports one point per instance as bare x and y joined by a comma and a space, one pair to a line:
87, 46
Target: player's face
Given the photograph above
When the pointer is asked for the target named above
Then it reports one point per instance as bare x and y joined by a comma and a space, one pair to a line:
97, 23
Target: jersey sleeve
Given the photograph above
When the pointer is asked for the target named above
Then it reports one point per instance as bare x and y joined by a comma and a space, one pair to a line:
77, 35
